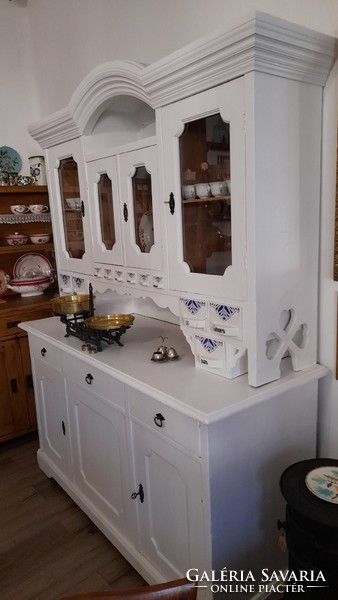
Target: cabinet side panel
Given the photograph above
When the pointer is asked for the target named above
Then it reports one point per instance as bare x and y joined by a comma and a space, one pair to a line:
283, 171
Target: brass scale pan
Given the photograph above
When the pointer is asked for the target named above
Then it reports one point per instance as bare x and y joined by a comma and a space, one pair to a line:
67, 305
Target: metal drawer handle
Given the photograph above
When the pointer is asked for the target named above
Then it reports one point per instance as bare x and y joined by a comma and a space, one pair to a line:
89, 378
12, 324
159, 420
43, 351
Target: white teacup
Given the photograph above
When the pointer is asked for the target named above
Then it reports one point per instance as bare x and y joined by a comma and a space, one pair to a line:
188, 191
202, 190
19, 209
38, 208
73, 203
218, 188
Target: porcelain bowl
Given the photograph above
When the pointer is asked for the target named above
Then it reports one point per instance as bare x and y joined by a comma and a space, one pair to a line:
16, 239
40, 238
34, 286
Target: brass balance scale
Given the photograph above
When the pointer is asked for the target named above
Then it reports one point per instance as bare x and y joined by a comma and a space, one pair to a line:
77, 313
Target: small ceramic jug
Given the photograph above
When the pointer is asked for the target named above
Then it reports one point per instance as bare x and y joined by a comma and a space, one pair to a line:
38, 169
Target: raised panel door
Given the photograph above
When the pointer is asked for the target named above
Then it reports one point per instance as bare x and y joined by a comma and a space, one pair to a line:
13, 405
52, 414
204, 174
100, 449
171, 518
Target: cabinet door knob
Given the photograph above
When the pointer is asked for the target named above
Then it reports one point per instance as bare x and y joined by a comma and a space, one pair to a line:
139, 493
171, 203
159, 420
43, 351
82, 208
63, 427
125, 212
89, 378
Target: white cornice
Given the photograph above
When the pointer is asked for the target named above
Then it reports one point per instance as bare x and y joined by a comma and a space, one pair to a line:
262, 43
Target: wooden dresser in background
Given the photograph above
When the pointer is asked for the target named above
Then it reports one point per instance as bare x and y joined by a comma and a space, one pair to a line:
17, 404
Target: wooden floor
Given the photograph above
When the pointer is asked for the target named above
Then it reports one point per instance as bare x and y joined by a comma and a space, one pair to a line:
48, 546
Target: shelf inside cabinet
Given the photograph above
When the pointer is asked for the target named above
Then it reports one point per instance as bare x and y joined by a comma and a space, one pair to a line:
23, 189
206, 199
49, 247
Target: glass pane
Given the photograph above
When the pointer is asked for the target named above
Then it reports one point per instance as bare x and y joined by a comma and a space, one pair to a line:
206, 195
71, 207
105, 193
143, 209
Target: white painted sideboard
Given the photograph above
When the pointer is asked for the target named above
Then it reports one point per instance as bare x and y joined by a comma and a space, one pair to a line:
178, 468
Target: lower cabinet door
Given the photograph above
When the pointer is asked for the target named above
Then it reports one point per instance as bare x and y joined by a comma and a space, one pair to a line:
171, 515
100, 451
51, 403
13, 404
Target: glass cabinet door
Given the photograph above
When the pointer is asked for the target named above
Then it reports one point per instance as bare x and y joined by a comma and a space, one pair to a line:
72, 207
141, 208
104, 208
69, 207
204, 148
204, 172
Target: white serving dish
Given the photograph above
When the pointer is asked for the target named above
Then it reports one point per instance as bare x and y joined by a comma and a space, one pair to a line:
34, 286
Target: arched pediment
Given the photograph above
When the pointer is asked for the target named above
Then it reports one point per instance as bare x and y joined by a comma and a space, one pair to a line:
93, 95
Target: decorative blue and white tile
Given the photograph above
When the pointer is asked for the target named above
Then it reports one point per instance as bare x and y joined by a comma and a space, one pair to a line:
226, 319
221, 357
79, 285
65, 283
208, 344
193, 313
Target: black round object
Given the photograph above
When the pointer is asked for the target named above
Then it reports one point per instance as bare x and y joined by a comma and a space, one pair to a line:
298, 496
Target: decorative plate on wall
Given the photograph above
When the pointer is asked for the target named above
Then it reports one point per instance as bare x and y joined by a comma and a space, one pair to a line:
10, 160
4, 279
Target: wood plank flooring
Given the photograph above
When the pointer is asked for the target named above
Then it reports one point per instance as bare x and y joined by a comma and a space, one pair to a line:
48, 546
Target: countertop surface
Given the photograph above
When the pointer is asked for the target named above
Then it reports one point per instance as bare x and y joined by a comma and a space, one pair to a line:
177, 383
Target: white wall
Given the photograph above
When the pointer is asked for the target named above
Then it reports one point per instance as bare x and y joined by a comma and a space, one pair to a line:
48, 46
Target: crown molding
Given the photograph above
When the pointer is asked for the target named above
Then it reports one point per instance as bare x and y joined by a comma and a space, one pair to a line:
261, 43
53, 130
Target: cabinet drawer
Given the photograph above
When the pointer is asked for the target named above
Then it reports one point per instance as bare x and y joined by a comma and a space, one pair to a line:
47, 352
9, 324
95, 380
165, 420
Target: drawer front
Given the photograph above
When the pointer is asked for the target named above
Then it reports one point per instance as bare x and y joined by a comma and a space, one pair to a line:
9, 324
93, 379
45, 351
165, 420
